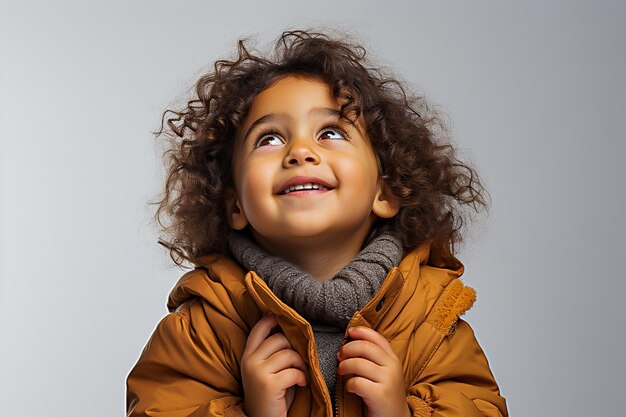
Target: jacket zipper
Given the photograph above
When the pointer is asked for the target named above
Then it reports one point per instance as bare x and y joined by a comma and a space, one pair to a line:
339, 382
338, 394
318, 375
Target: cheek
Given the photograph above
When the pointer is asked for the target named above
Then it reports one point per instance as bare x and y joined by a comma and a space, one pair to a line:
360, 173
255, 184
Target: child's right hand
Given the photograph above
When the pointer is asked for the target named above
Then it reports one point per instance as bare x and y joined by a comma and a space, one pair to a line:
270, 369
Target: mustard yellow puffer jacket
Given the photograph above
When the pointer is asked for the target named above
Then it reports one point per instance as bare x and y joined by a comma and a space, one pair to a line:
191, 364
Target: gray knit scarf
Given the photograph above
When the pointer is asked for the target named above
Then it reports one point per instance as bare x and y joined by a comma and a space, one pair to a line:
327, 305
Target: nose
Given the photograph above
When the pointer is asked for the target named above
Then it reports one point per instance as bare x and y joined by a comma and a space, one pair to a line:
301, 152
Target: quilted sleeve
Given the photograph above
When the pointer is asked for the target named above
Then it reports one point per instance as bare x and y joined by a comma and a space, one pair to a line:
187, 369
457, 381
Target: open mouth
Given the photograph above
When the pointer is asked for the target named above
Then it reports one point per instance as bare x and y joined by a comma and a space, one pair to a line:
305, 187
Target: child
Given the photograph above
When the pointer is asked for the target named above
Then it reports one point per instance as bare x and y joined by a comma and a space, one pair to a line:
320, 207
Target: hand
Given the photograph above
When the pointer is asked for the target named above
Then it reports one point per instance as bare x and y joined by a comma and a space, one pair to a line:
270, 369
377, 373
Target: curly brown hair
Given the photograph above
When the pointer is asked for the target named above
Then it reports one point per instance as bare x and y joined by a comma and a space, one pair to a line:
418, 162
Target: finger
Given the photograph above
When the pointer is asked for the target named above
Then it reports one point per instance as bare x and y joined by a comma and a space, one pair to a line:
362, 368
365, 333
290, 377
259, 332
283, 360
274, 343
289, 394
364, 349
362, 387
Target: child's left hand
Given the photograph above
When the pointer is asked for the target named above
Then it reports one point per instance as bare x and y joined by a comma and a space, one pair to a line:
378, 377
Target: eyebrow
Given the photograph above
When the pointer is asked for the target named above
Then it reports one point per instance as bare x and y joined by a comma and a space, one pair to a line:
327, 111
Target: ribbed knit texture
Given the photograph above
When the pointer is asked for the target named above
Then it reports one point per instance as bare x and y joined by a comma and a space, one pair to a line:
327, 305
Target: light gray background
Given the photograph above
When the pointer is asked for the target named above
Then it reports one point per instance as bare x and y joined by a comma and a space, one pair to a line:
536, 97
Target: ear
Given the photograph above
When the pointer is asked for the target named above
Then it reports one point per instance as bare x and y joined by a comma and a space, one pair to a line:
385, 205
235, 215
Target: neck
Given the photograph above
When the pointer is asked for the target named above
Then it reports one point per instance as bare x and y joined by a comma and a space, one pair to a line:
321, 259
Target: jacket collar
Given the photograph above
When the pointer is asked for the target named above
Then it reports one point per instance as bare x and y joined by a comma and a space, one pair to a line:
219, 278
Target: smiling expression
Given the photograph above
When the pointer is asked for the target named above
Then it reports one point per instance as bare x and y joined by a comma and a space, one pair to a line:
301, 173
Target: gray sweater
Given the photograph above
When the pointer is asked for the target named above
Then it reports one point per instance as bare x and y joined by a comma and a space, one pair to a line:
327, 305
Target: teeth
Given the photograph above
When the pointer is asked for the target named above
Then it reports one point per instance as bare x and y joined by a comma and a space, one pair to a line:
307, 186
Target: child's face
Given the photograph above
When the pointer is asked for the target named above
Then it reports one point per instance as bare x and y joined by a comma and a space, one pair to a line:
291, 136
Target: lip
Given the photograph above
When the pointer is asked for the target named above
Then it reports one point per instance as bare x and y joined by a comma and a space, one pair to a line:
302, 180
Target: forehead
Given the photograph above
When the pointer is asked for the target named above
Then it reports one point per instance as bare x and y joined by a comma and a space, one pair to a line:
294, 94
296, 99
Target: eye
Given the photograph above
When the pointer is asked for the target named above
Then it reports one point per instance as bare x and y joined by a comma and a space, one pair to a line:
332, 134
269, 139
